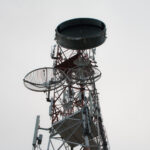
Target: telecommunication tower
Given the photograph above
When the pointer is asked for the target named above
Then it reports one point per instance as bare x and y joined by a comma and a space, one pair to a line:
74, 110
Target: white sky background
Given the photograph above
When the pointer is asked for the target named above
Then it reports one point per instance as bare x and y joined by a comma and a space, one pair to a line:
27, 30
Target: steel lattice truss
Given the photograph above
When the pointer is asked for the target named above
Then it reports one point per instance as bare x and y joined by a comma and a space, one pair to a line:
74, 110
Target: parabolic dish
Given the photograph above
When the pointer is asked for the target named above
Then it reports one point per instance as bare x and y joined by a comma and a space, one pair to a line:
81, 33
44, 79
84, 75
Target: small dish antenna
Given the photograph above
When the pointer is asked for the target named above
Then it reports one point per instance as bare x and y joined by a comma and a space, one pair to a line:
84, 75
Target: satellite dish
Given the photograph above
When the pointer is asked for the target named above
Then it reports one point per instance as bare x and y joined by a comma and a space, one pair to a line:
84, 75
44, 79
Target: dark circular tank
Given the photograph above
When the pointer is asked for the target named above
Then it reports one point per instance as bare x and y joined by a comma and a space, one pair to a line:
81, 33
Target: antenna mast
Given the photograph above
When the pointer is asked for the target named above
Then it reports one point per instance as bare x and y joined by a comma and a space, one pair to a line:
75, 114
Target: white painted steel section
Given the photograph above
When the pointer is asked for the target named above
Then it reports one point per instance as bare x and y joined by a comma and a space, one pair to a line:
36, 130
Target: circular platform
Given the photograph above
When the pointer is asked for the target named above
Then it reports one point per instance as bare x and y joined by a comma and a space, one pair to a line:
81, 33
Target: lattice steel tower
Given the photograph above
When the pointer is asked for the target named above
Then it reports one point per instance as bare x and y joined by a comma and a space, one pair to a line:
74, 110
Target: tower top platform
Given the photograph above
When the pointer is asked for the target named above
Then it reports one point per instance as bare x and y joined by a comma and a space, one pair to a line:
81, 33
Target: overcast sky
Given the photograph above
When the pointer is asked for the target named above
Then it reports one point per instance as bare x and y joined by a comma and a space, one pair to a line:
27, 30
